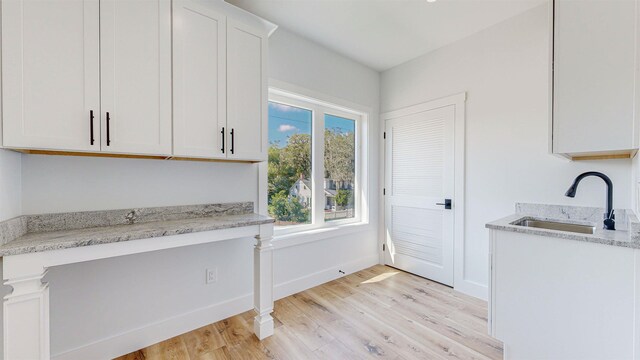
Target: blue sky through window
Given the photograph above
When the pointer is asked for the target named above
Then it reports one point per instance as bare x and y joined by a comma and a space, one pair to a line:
342, 125
285, 120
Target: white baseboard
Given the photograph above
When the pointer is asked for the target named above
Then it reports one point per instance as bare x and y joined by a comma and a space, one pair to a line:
142, 337
472, 288
308, 281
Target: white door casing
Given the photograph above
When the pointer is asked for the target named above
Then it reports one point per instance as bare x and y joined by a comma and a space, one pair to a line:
135, 51
51, 74
199, 86
424, 165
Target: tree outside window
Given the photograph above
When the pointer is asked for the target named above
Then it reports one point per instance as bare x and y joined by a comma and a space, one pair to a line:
289, 168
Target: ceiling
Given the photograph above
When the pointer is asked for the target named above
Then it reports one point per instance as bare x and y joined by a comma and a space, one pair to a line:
384, 33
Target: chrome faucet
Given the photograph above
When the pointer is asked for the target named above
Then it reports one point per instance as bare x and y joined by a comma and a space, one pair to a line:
609, 216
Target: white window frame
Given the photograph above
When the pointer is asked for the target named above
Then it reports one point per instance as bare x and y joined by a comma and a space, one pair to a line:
319, 108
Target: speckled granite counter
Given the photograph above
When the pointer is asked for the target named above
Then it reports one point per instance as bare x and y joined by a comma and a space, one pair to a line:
30, 245
37, 233
627, 235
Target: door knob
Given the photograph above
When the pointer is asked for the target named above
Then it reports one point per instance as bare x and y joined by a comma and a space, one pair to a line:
446, 203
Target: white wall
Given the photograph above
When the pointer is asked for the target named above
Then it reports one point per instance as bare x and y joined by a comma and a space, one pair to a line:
10, 184
504, 70
92, 302
300, 63
635, 185
65, 183
297, 61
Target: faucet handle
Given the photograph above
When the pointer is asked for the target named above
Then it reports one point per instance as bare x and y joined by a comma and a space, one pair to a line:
611, 215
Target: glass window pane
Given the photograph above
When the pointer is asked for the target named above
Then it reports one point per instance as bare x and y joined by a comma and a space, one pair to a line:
340, 167
289, 164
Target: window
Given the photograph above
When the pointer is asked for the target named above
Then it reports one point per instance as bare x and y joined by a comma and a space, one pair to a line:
339, 167
313, 169
289, 164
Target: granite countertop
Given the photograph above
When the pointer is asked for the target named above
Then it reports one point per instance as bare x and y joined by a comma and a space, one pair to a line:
37, 233
627, 235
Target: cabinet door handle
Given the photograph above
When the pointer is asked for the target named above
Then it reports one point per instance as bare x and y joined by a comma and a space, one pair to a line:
108, 129
91, 126
222, 132
232, 140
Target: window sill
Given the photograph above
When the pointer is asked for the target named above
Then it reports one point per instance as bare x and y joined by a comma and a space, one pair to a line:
307, 236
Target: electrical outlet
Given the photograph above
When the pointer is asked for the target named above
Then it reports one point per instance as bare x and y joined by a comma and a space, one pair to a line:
212, 276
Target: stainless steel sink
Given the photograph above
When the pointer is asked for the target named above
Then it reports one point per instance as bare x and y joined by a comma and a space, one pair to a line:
553, 225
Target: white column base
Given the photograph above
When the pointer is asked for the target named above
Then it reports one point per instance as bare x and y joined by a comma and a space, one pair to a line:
26, 318
263, 325
263, 283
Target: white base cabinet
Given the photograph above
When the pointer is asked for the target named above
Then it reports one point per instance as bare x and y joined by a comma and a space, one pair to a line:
554, 298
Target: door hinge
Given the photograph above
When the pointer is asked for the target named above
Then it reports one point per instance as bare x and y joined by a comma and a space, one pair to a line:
384, 191
384, 247
384, 136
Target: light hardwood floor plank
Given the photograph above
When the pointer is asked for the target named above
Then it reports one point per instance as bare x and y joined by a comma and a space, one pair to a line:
376, 313
172, 349
393, 293
309, 332
202, 343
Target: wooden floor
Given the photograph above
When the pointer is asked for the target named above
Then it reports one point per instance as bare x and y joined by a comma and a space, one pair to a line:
379, 312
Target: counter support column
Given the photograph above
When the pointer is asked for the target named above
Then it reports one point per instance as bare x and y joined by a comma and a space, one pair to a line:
263, 283
25, 312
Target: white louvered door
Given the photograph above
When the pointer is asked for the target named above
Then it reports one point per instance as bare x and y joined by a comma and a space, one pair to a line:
419, 175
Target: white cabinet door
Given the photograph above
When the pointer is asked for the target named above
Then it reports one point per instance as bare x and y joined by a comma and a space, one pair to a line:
246, 92
594, 76
51, 74
135, 44
199, 81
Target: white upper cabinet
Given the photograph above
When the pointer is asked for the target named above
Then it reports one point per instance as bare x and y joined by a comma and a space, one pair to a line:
246, 92
199, 85
50, 74
135, 45
138, 77
594, 78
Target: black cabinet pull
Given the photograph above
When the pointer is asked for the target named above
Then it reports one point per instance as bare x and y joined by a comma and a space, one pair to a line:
108, 129
91, 126
232, 141
222, 132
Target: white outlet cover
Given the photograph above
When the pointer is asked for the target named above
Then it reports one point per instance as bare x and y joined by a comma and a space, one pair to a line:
212, 275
